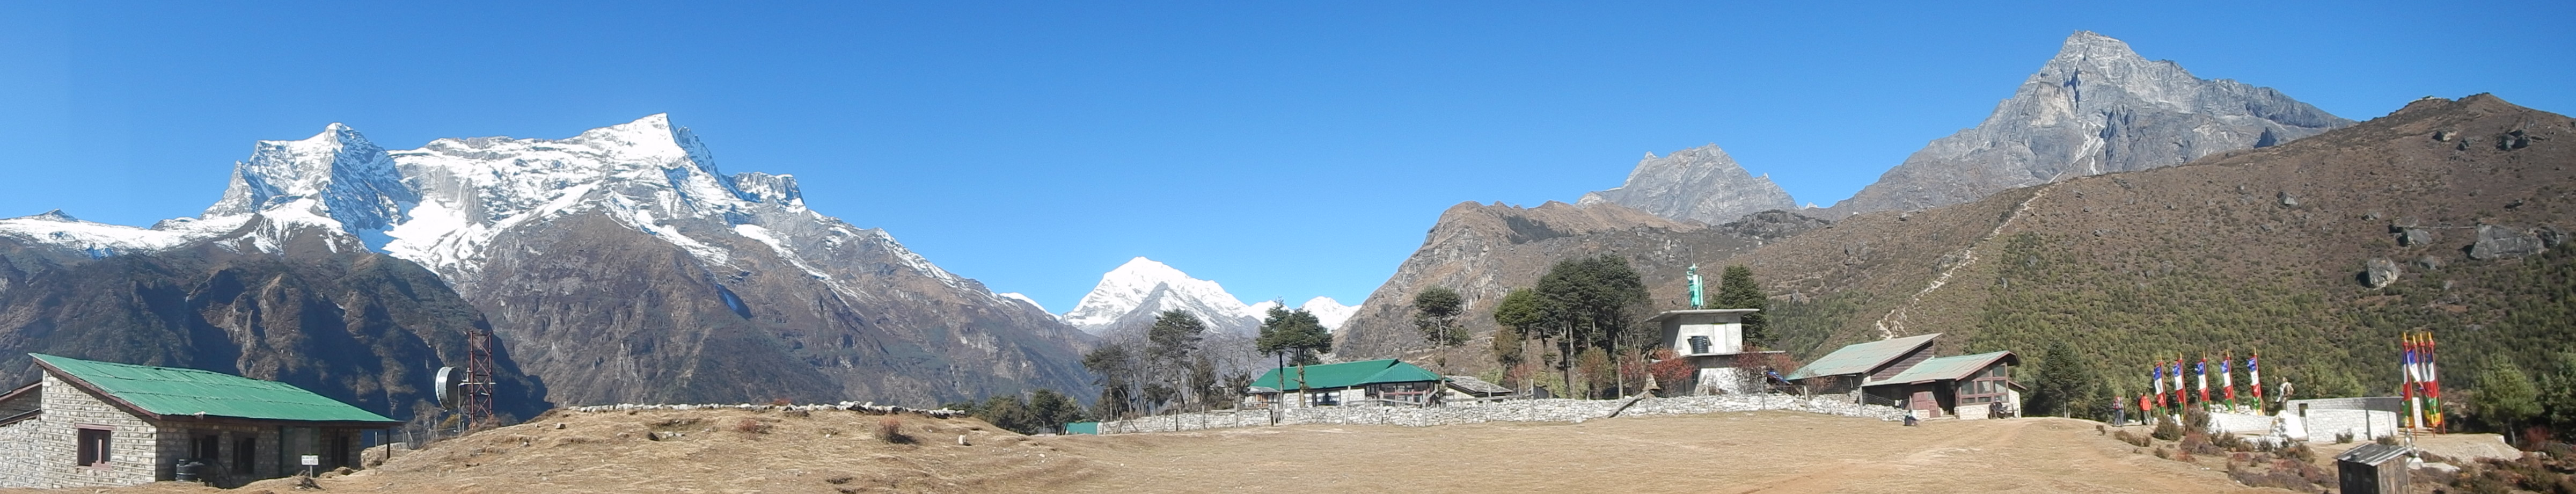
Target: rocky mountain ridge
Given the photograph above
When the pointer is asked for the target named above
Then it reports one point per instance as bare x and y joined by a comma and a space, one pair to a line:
622, 265
2096, 107
1701, 184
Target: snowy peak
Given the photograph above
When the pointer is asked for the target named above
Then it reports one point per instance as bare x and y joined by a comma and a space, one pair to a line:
1134, 293
1330, 312
336, 174
1143, 285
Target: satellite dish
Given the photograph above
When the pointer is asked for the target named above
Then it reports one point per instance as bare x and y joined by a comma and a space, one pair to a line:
450, 384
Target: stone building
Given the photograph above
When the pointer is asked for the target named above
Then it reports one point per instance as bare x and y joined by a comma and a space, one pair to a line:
87, 423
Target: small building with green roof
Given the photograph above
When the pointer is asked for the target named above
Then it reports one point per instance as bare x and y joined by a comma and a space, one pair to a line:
1902, 372
88, 423
1366, 382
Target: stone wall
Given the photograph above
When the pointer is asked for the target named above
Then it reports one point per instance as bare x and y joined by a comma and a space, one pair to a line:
1556, 410
48, 449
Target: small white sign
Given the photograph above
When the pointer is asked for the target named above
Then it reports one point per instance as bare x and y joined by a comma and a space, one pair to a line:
312, 460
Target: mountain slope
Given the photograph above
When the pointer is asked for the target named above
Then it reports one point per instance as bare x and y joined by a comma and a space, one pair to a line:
622, 266
357, 326
2253, 250
1701, 184
2096, 108
1485, 250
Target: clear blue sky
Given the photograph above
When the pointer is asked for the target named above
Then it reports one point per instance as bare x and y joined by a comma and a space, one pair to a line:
1282, 150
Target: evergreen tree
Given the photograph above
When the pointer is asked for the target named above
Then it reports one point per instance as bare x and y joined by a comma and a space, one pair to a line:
2505, 397
1435, 313
1736, 290
1296, 334
2064, 384
1053, 410
1170, 345
1591, 303
1118, 380
2557, 391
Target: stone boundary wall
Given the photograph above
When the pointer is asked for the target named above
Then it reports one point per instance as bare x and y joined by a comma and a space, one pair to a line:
870, 408
1553, 410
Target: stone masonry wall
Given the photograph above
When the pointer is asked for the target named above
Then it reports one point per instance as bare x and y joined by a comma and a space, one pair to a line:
53, 450
1556, 410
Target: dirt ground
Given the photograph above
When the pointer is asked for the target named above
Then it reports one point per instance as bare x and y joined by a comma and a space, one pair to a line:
736, 451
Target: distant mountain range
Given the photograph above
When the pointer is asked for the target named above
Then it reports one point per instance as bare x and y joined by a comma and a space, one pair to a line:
619, 265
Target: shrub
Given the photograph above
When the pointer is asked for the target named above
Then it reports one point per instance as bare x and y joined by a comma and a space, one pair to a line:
2166, 429
2300, 452
2132, 439
2343, 437
750, 426
890, 430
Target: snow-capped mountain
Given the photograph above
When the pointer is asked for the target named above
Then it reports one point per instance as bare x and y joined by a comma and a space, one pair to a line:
1330, 312
1141, 288
621, 265
1133, 294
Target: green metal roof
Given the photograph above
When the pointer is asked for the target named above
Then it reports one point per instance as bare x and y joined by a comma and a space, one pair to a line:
1948, 368
189, 392
1859, 358
1346, 374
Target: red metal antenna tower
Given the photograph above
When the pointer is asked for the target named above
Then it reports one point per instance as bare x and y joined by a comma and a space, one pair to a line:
479, 381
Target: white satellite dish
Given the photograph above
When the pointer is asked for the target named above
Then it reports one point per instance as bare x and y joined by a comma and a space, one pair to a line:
451, 383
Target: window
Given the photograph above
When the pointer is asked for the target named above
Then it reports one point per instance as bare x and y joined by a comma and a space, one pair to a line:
1324, 398
243, 450
93, 446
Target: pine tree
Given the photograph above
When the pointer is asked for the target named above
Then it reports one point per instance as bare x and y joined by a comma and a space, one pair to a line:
2064, 384
1435, 313
1297, 334
1737, 290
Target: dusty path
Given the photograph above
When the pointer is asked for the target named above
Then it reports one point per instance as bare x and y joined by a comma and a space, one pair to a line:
734, 451
1767, 452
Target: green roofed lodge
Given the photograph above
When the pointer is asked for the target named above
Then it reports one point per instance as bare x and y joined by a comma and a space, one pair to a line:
89, 423
1366, 382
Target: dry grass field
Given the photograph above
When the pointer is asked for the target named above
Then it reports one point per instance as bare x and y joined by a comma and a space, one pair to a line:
735, 451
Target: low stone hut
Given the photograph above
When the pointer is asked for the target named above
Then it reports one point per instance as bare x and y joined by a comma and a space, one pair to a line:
88, 423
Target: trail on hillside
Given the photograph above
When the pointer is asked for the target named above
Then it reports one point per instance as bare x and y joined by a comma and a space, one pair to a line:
1894, 322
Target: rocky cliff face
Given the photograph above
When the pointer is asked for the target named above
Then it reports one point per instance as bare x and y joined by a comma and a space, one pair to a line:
2096, 108
1485, 250
357, 326
1699, 184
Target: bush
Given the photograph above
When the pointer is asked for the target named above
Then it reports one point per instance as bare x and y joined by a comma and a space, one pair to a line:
749, 425
2132, 439
890, 430
2300, 452
2166, 429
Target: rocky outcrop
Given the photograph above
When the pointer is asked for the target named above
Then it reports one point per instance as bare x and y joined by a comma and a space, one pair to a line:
2500, 242
2096, 108
1699, 184
2378, 273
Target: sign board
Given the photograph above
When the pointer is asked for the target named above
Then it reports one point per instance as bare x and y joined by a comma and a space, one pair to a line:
312, 460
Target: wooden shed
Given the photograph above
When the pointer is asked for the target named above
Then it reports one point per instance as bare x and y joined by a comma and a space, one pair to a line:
2372, 469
